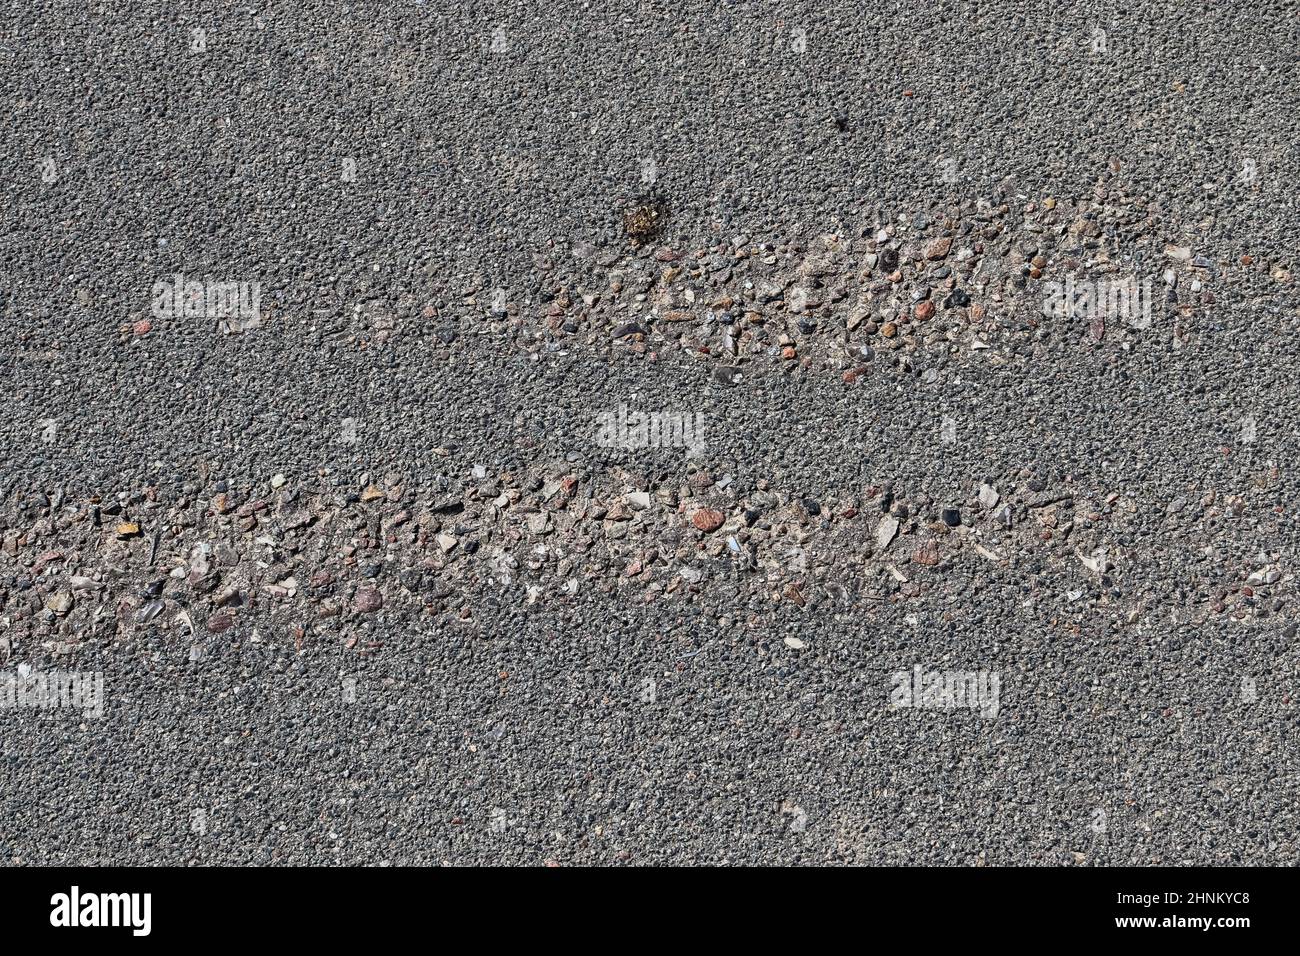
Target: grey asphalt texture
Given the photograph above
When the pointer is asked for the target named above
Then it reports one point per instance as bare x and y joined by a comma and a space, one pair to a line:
1120, 740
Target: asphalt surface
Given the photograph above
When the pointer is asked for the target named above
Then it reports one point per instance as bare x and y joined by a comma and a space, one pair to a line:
1147, 704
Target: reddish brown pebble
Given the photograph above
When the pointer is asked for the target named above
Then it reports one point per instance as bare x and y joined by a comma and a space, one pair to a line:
143, 327
927, 555
924, 310
368, 600
219, 622
938, 249
708, 519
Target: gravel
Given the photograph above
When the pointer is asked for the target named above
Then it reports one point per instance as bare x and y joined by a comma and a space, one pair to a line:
633, 404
